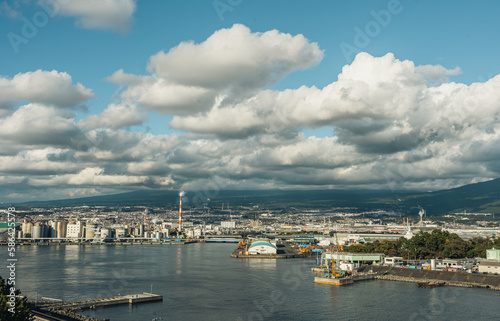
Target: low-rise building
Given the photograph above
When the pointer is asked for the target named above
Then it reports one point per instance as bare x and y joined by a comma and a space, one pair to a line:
262, 246
228, 224
393, 260
357, 258
489, 267
493, 254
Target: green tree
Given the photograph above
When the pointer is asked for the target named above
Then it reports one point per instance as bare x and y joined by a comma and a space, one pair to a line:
478, 246
497, 243
22, 311
424, 245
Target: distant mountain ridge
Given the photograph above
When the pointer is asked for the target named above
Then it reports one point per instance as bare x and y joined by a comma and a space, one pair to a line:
479, 197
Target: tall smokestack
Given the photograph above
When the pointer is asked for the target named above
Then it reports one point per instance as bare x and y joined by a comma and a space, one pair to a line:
180, 210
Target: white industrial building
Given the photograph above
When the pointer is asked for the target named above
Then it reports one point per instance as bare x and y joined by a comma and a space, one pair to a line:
228, 224
74, 230
489, 267
262, 246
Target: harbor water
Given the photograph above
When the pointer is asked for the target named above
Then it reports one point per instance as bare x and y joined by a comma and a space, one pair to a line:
201, 282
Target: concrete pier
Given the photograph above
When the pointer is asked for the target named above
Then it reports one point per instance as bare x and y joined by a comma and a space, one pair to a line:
101, 303
461, 279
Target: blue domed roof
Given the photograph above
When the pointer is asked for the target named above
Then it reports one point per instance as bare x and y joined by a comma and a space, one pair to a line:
262, 242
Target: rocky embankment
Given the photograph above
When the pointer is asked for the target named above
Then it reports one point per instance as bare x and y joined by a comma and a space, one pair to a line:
425, 276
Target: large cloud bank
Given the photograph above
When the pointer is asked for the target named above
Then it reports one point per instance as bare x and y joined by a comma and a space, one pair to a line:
393, 124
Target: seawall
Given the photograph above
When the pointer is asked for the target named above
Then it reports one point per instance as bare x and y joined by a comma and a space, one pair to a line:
450, 278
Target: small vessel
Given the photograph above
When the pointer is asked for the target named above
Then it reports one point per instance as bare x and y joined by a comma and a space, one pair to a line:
333, 280
334, 274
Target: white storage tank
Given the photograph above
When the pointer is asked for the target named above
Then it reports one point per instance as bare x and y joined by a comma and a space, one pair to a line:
37, 231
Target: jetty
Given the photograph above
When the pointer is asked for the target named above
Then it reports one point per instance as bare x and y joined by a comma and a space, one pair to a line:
462, 279
100, 303
59, 310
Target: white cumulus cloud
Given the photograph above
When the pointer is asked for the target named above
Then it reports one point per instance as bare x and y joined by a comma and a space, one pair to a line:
114, 116
45, 87
437, 73
98, 14
232, 63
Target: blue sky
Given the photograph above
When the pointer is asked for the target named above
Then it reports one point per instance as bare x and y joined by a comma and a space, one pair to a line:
90, 41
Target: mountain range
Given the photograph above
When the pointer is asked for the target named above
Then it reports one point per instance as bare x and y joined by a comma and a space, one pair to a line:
479, 197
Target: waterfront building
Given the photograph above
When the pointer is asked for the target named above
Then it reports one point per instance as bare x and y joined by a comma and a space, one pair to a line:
90, 231
74, 230
489, 267
37, 231
53, 229
121, 232
62, 227
393, 260
262, 246
105, 233
27, 228
493, 254
356, 258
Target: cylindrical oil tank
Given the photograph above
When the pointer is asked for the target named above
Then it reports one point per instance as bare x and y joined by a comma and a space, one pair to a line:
90, 231
62, 226
53, 229
37, 231
29, 229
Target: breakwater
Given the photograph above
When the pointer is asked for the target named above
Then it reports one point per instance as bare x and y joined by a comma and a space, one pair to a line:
58, 310
462, 279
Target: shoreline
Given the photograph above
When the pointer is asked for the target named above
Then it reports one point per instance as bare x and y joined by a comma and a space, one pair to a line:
450, 283
468, 280
105, 244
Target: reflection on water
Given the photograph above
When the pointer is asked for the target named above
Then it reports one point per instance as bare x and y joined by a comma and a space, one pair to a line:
201, 282
261, 264
179, 260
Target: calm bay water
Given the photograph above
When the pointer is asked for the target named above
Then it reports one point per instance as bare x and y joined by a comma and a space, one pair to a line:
201, 282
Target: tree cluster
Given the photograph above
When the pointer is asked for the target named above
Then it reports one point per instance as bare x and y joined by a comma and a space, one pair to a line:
22, 311
425, 245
